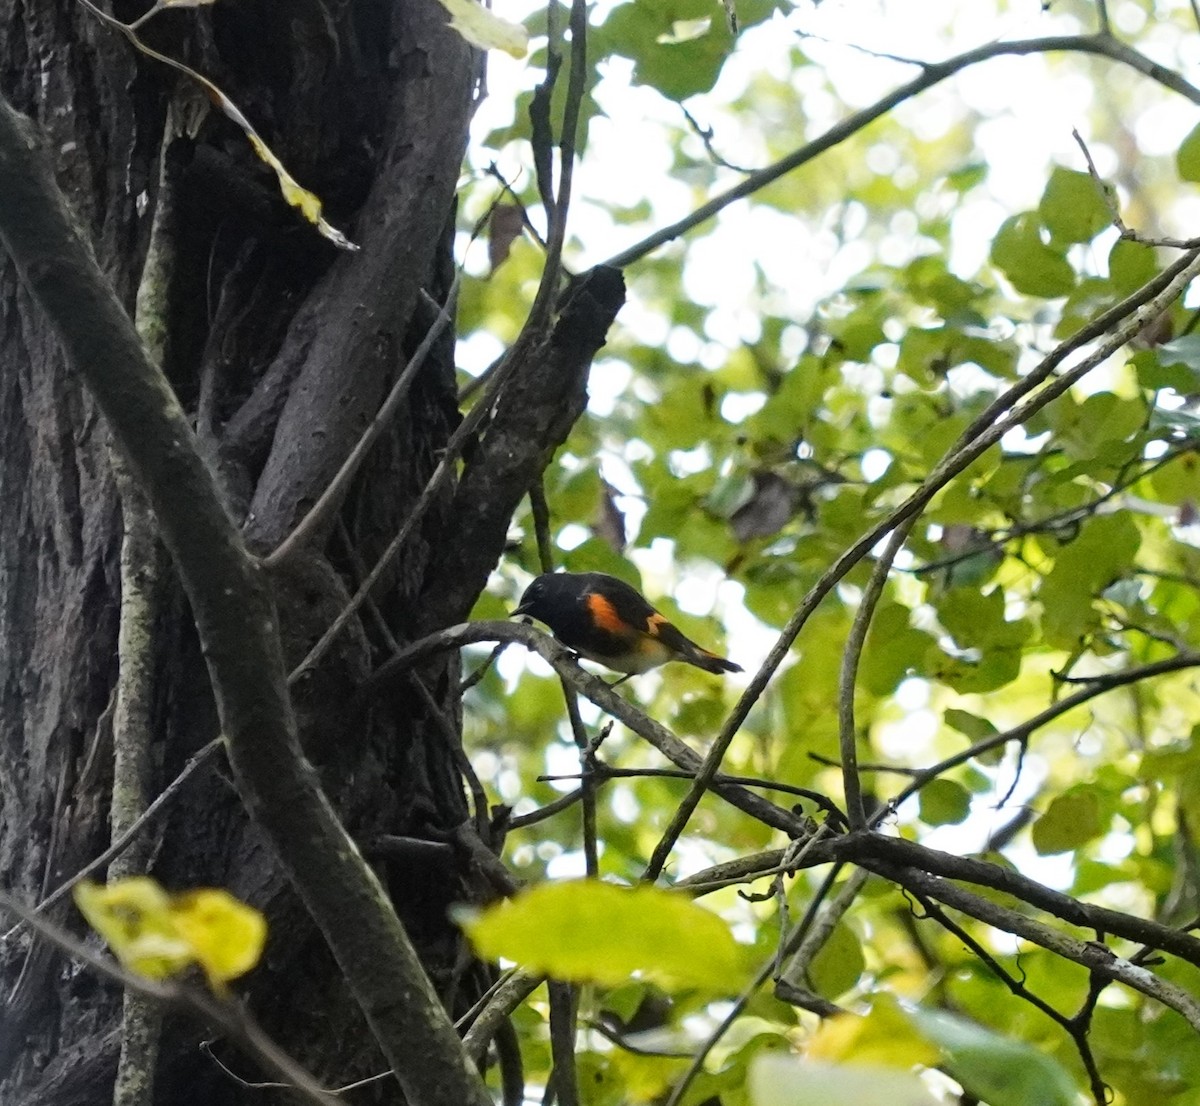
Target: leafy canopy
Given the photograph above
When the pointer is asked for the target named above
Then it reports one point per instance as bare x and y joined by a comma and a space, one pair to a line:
785, 376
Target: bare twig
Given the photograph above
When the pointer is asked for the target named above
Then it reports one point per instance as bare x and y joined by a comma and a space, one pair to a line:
479, 673
453, 740
540, 510
607, 771
521, 821
1020, 732
866, 848
848, 677
932, 73
1093, 955
1075, 1027
143, 563
507, 997
1114, 210
705, 134
290, 189
564, 662
206, 1048
563, 1078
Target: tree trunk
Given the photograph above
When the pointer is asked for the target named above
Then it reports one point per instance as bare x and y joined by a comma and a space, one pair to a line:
282, 348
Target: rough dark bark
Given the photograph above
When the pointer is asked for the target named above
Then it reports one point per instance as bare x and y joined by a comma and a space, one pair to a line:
280, 349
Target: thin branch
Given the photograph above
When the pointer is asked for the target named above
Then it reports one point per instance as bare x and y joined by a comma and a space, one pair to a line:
865, 848
705, 134
313, 524
479, 673
493, 170
1093, 955
591, 687
1060, 520
296, 196
1020, 732
507, 997
453, 739
848, 676
567, 143
206, 1048
607, 771
143, 565
440, 477
1077, 1033
540, 510
932, 73
799, 936
1114, 210
563, 1077
521, 821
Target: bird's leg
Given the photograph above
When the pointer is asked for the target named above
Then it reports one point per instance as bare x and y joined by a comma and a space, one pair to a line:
617, 683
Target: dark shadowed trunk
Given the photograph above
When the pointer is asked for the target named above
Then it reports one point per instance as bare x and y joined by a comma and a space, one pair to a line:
282, 348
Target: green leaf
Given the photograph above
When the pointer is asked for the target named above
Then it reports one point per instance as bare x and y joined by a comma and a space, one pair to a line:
1073, 206
1130, 265
589, 931
967, 177
1155, 374
1072, 819
1183, 353
839, 964
999, 1070
944, 803
678, 46
1187, 160
1030, 265
969, 725
789, 1081
1082, 570
482, 28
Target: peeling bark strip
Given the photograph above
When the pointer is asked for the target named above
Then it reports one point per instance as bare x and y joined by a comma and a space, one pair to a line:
236, 621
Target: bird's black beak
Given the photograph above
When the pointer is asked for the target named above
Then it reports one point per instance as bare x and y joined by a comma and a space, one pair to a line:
522, 609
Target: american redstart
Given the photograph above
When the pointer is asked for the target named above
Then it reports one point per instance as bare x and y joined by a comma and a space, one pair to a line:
605, 620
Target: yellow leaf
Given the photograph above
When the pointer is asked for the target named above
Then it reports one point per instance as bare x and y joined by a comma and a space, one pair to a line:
885, 1036
300, 198
134, 917
157, 935
481, 28
226, 936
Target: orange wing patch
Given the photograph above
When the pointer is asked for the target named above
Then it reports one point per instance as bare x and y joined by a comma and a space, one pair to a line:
655, 624
605, 616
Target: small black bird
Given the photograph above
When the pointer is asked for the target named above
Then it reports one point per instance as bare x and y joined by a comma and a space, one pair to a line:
605, 620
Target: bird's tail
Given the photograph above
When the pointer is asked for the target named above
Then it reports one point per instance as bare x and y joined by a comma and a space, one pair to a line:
710, 662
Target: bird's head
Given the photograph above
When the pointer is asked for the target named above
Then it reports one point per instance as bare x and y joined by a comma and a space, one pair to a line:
535, 597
